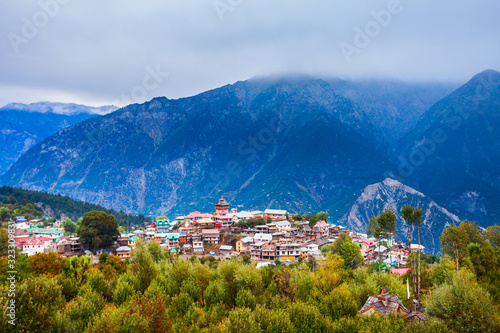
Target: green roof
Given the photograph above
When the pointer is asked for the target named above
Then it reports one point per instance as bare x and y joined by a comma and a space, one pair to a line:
45, 231
173, 236
162, 220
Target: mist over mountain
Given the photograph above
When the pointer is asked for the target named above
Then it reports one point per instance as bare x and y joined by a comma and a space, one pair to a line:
59, 108
298, 143
24, 125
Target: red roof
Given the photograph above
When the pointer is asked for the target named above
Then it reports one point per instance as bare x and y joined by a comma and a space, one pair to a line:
367, 242
399, 271
321, 224
193, 215
35, 241
210, 231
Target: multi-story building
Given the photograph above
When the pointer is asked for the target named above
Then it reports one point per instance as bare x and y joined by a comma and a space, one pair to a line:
198, 246
210, 236
269, 252
322, 229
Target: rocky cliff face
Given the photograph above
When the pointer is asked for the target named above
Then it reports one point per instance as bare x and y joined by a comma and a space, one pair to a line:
391, 193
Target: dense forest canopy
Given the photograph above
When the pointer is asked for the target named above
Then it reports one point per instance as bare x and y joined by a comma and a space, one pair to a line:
156, 291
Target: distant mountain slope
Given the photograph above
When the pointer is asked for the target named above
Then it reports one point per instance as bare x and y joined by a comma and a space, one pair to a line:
390, 193
453, 153
394, 107
24, 125
291, 143
297, 143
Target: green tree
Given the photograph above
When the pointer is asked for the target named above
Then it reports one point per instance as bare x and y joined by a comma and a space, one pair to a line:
463, 305
307, 318
245, 298
313, 218
348, 251
84, 308
482, 258
68, 286
472, 231
443, 272
124, 289
5, 214
97, 230
111, 265
4, 242
143, 313
274, 321
492, 234
36, 303
454, 240
241, 320
330, 274
413, 218
69, 225
155, 250
339, 303
383, 225
143, 266
77, 268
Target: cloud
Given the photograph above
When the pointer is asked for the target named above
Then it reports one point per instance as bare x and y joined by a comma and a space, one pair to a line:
96, 52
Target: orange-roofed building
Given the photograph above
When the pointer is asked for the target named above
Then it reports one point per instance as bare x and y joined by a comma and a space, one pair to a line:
322, 229
399, 271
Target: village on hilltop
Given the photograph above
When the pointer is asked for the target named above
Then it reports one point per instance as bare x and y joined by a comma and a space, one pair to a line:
221, 235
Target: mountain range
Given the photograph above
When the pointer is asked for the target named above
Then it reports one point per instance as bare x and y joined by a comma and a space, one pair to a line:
294, 142
24, 125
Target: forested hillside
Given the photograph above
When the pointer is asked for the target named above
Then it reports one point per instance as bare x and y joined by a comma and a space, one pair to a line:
14, 199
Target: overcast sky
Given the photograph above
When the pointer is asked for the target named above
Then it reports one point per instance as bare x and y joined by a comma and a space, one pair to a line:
99, 52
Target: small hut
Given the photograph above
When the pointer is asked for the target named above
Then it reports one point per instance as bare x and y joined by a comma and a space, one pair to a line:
383, 304
415, 318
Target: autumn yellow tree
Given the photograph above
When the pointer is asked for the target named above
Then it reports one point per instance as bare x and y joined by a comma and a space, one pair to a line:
49, 264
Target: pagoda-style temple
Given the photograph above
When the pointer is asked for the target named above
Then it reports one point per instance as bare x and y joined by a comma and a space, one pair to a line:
222, 207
